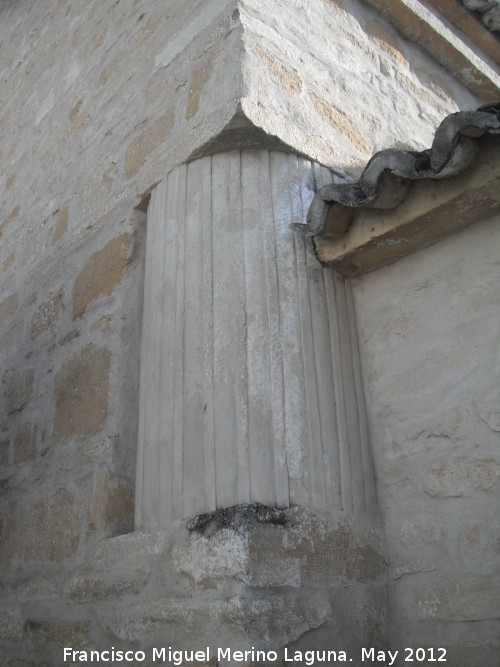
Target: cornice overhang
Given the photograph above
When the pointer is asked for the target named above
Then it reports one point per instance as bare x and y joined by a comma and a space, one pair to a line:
469, 58
406, 200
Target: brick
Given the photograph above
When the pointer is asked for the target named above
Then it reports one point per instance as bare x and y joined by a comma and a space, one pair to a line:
25, 442
81, 392
102, 272
44, 529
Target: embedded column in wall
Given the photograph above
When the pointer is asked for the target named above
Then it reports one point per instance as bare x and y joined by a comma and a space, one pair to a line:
250, 383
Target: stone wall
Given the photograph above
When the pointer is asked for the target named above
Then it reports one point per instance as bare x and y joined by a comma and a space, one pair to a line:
305, 584
99, 101
429, 339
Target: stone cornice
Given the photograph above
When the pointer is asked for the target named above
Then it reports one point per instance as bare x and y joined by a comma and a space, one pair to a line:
433, 32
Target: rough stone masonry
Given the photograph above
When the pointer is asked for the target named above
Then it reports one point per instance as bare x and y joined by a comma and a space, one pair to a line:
100, 102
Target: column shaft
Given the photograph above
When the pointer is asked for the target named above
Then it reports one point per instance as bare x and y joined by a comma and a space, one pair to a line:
250, 383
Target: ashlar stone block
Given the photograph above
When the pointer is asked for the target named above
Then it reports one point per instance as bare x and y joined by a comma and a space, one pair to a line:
81, 392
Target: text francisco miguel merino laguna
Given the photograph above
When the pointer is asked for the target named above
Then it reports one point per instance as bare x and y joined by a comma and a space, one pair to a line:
224, 655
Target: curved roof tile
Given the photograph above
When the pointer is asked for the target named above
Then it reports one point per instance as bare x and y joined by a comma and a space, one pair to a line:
389, 173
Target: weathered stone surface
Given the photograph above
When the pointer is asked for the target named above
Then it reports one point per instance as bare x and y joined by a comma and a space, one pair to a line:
18, 389
8, 306
47, 314
8, 262
101, 274
112, 505
25, 442
469, 598
61, 225
460, 476
88, 81
341, 121
81, 391
273, 559
224, 554
11, 624
107, 585
183, 613
56, 634
4, 452
430, 363
47, 528
14, 213
30, 589
287, 77
199, 78
11, 340
421, 527
134, 546
387, 38
154, 134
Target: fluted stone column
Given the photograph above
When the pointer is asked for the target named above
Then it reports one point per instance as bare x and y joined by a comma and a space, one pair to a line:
250, 381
